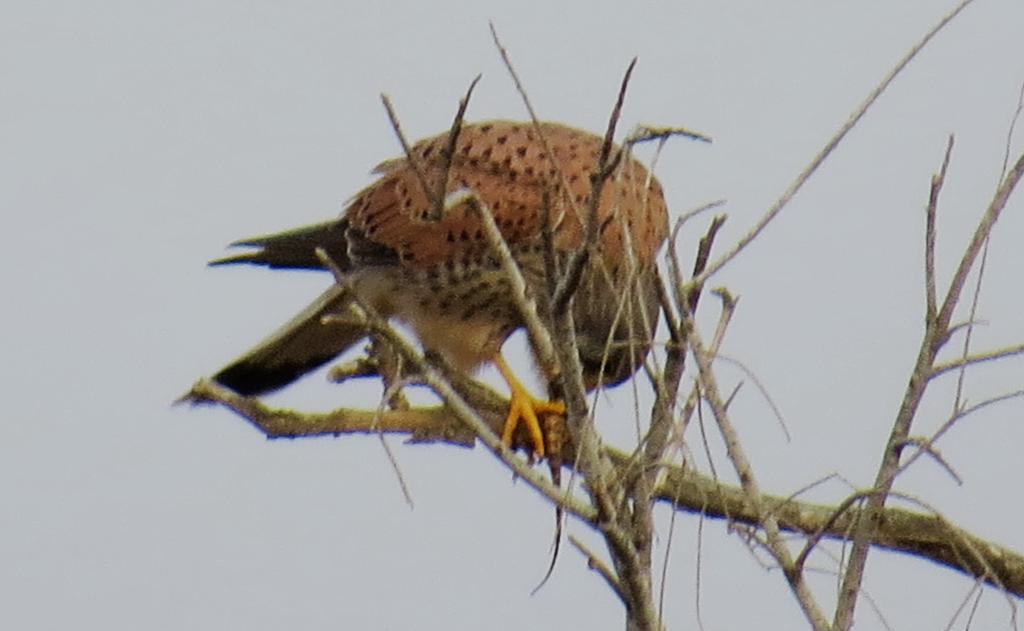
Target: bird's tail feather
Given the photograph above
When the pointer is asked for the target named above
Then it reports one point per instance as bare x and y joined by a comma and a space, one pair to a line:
302, 345
294, 249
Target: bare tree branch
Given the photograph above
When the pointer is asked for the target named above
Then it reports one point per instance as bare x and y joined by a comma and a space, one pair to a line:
929, 234
928, 446
922, 535
977, 358
917, 534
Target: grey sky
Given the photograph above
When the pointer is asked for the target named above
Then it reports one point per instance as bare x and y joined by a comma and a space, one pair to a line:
138, 138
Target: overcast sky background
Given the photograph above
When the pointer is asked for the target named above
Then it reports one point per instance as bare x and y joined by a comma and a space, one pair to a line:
138, 138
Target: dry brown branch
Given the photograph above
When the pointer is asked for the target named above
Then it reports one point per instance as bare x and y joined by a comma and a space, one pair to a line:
925, 446
1014, 119
917, 534
977, 358
961, 378
929, 233
981, 235
449, 151
647, 133
407, 149
420, 424
921, 535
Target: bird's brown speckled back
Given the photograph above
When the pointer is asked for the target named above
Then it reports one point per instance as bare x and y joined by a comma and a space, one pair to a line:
437, 273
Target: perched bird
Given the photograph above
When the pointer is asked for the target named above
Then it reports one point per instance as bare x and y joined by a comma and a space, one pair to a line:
437, 273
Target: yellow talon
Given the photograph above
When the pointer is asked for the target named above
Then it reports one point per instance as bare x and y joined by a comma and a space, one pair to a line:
524, 407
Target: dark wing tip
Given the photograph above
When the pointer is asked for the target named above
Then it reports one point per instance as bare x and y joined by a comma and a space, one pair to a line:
255, 257
293, 249
250, 380
253, 378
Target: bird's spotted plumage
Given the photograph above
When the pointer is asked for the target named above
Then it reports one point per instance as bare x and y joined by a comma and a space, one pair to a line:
437, 273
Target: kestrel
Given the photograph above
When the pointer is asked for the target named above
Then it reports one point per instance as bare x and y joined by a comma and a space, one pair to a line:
438, 274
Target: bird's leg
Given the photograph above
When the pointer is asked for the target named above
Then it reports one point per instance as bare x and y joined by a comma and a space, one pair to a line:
525, 408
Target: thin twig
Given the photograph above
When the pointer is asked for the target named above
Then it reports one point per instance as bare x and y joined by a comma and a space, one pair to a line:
697, 571
1013, 127
961, 377
703, 253
417, 169
693, 400
646, 133
595, 563
358, 368
929, 239
977, 358
816, 538
774, 407
389, 392
975, 588
512, 72
663, 583
606, 164
925, 446
981, 235
810, 169
563, 185
956, 416
695, 212
449, 150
